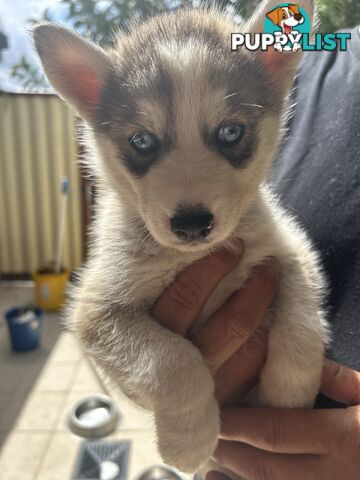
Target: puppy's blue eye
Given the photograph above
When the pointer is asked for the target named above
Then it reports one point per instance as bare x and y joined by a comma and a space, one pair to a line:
229, 134
143, 142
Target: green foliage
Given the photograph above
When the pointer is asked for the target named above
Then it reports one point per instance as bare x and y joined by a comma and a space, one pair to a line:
99, 19
338, 14
29, 76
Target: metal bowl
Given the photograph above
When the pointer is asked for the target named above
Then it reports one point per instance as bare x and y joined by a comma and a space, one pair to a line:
93, 417
159, 472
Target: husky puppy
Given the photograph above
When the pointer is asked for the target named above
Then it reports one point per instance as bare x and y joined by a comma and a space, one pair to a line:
181, 133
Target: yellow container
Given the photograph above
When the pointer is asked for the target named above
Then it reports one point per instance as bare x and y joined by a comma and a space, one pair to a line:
50, 289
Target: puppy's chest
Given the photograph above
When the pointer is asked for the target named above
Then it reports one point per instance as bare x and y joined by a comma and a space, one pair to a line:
149, 278
157, 277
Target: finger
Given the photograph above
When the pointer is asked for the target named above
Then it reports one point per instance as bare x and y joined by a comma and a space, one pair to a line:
340, 383
281, 430
255, 464
181, 303
231, 326
240, 373
215, 475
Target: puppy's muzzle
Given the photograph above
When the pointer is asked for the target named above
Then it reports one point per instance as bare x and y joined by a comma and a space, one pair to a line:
192, 223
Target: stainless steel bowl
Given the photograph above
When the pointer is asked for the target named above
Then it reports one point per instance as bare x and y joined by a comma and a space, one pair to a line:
93, 417
159, 472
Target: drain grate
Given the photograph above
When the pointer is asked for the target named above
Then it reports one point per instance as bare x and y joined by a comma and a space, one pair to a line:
102, 460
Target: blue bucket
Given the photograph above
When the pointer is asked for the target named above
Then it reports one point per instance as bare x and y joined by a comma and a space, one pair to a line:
25, 333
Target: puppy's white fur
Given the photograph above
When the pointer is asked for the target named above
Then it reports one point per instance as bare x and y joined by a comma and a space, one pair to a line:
135, 256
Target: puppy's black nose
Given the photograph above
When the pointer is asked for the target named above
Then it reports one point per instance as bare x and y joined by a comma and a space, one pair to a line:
192, 223
298, 16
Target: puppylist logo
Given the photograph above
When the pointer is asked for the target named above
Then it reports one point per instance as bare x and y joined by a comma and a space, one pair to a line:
287, 28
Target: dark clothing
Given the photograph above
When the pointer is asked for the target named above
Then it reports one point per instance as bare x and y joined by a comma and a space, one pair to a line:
317, 174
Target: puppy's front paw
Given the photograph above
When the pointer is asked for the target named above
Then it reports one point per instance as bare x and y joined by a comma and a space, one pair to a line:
296, 389
186, 441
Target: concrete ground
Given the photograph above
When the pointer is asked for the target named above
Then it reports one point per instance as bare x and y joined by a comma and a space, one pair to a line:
36, 391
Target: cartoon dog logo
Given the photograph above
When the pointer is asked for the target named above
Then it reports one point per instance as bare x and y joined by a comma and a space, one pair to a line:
287, 18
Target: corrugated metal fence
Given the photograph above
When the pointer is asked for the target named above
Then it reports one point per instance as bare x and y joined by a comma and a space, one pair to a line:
37, 147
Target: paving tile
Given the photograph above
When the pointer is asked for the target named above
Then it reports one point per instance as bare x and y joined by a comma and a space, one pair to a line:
52, 330
60, 457
20, 372
39, 411
33, 371
10, 412
24, 360
3, 437
22, 454
57, 376
67, 348
4, 398
86, 378
10, 376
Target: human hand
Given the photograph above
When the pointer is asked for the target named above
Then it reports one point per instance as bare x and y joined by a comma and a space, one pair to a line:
282, 444
230, 328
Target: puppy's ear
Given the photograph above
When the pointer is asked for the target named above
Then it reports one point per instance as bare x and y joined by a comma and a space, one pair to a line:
76, 68
281, 66
294, 8
274, 16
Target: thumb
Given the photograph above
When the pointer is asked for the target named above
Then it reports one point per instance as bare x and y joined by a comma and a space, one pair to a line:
340, 383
